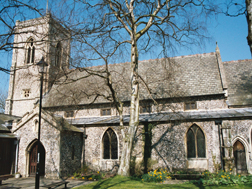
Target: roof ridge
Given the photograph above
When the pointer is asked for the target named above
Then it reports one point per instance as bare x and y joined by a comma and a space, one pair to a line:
183, 56
235, 61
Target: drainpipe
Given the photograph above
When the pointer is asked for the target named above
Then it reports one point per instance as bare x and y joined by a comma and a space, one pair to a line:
218, 122
83, 146
17, 150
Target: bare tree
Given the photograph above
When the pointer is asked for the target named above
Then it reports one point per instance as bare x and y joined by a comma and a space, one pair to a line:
10, 11
234, 8
249, 21
111, 29
107, 31
3, 96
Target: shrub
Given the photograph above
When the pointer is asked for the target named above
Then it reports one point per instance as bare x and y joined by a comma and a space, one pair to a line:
224, 178
86, 173
156, 176
137, 167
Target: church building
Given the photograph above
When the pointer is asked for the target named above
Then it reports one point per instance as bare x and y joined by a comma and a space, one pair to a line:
201, 118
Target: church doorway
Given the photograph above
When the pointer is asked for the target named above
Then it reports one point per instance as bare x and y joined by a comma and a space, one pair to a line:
6, 155
33, 160
240, 157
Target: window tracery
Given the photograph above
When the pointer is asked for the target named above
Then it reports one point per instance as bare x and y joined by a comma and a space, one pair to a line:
110, 145
195, 142
30, 51
58, 55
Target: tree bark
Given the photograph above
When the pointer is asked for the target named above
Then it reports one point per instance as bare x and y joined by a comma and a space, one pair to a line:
124, 168
249, 21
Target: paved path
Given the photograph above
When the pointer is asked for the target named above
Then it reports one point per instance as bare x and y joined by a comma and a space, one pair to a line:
29, 183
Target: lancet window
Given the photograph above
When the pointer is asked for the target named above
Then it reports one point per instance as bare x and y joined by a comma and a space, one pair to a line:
195, 142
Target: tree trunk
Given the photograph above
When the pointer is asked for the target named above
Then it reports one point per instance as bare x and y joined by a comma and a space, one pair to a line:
124, 168
249, 21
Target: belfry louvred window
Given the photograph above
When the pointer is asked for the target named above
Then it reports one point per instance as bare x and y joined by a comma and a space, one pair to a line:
110, 145
58, 55
30, 55
195, 142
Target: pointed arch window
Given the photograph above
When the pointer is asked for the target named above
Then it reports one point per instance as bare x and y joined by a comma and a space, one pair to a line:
58, 54
30, 51
36, 123
110, 145
195, 142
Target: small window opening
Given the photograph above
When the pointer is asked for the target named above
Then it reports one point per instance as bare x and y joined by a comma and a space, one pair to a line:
105, 112
69, 113
145, 109
36, 125
190, 106
72, 152
26, 93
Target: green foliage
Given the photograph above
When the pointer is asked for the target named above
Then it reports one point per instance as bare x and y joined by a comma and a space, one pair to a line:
224, 178
86, 173
77, 175
186, 174
147, 139
217, 166
133, 183
137, 167
156, 176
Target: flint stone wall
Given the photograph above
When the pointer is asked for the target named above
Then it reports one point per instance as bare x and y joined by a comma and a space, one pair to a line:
241, 130
94, 148
169, 146
50, 139
70, 152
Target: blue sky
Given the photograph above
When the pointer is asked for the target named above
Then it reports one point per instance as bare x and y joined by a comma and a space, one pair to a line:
229, 32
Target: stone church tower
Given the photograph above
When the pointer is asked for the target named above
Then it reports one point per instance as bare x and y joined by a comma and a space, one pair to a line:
36, 38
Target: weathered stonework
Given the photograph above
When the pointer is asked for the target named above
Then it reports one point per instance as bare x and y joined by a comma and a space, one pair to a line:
52, 147
93, 148
70, 152
198, 79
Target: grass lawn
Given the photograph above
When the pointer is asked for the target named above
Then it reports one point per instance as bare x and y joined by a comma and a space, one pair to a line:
127, 183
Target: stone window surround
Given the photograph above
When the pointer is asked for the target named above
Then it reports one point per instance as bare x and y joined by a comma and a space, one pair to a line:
36, 124
58, 55
102, 148
195, 158
192, 105
73, 152
26, 93
145, 109
30, 51
69, 113
106, 112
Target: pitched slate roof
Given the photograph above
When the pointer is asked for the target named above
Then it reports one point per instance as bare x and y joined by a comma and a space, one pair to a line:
6, 117
64, 125
239, 79
3, 118
168, 116
184, 76
58, 122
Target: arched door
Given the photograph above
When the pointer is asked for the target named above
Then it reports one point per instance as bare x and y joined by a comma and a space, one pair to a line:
240, 157
33, 160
